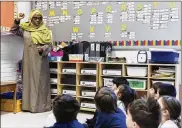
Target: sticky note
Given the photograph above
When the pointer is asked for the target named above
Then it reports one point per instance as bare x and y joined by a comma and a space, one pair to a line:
108, 9
139, 7
172, 4
123, 27
107, 28
75, 29
92, 29
79, 12
123, 7
64, 12
52, 13
93, 10
155, 4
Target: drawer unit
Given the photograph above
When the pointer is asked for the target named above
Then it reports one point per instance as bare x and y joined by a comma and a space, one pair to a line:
88, 93
111, 72
88, 83
70, 92
88, 71
88, 105
69, 70
108, 82
53, 80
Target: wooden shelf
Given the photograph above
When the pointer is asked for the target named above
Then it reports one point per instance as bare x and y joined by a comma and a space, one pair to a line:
138, 77
72, 85
87, 86
98, 77
162, 78
68, 73
111, 75
85, 97
54, 94
87, 74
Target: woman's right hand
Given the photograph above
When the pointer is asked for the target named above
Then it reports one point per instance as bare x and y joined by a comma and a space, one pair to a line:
21, 16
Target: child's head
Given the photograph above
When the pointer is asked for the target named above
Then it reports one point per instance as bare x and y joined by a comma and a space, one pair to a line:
119, 81
106, 100
161, 89
125, 94
165, 90
65, 108
170, 109
153, 91
143, 114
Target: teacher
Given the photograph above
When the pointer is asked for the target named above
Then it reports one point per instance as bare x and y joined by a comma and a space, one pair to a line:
36, 76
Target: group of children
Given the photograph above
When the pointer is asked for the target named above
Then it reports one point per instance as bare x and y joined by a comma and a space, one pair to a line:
118, 107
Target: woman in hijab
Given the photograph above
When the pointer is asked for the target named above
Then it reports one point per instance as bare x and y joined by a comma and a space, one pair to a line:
36, 77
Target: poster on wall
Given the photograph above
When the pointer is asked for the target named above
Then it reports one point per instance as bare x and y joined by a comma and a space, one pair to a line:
112, 21
7, 14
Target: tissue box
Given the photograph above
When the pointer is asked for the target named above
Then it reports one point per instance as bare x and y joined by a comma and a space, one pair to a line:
54, 58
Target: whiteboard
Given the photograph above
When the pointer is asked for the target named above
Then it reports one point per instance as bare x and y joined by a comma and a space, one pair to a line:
126, 20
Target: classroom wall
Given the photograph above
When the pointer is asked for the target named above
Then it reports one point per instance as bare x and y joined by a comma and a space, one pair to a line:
24, 7
11, 46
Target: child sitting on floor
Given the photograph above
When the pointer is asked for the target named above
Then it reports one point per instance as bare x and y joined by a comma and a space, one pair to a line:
125, 96
109, 115
65, 109
143, 113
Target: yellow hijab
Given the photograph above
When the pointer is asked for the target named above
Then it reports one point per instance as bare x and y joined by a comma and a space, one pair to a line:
40, 35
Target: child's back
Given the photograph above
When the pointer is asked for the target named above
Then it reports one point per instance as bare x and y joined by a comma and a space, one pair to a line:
65, 109
111, 120
73, 124
109, 115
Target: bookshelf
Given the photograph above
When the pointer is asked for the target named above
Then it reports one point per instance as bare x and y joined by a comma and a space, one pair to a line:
82, 79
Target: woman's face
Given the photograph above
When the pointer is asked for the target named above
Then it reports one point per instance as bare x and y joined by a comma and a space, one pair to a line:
164, 112
37, 19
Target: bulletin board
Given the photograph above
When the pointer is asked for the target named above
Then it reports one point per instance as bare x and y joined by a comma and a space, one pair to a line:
8, 13
113, 21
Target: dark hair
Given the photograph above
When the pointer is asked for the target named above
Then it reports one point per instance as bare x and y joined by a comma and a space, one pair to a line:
65, 108
155, 86
174, 108
128, 94
146, 113
106, 100
120, 81
167, 89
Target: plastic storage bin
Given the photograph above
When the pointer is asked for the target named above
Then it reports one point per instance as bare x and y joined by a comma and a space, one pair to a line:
69, 92
170, 57
88, 93
167, 82
88, 105
54, 91
53, 80
136, 71
108, 82
111, 72
137, 84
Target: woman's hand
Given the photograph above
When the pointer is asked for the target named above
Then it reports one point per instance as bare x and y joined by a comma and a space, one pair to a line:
40, 49
21, 16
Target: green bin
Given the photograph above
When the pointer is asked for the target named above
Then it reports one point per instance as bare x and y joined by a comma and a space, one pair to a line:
137, 84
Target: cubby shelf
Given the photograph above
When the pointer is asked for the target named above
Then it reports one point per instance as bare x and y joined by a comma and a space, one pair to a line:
74, 79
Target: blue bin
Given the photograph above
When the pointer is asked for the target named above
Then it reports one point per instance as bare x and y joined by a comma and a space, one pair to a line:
165, 57
10, 95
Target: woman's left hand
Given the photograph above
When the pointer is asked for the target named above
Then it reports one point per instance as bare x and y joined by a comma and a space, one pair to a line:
40, 49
